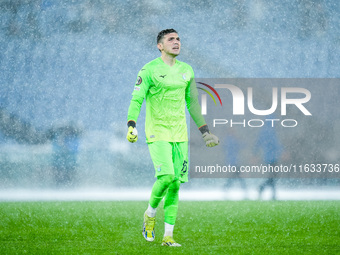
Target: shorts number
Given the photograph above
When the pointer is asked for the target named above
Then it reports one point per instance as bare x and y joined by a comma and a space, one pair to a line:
184, 167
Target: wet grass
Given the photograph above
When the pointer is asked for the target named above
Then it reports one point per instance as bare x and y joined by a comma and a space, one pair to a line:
221, 227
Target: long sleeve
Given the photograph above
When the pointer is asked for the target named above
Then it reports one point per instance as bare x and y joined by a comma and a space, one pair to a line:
134, 108
138, 95
194, 108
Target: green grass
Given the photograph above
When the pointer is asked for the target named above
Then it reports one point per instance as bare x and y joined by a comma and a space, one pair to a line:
221, 227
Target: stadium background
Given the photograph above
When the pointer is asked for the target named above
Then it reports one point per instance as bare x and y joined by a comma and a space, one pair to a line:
75, 63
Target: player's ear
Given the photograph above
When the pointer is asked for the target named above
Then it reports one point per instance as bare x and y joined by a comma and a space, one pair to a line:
160, 46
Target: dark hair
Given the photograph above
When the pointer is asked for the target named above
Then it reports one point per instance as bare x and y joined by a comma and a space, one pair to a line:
165, 32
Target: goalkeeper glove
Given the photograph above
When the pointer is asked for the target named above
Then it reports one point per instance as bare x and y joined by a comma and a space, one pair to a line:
132, 135
210, 139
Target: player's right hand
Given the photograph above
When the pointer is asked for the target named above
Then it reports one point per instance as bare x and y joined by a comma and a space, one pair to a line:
132, 135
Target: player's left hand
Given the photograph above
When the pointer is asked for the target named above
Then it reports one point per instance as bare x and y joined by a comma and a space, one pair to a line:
210, 139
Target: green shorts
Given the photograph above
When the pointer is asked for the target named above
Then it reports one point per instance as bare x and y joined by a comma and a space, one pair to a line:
170, 158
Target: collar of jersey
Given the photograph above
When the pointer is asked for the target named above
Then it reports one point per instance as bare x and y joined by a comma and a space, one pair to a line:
161, 60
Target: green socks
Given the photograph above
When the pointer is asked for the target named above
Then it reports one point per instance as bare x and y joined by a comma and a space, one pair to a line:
168, 186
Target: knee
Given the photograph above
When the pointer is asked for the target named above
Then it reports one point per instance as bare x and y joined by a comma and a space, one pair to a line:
175, 185
167, 179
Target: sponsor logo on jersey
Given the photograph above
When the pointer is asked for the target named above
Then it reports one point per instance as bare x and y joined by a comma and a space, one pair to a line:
162, 76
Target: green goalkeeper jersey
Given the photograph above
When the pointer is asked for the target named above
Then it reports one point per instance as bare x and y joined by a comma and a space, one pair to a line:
166, 90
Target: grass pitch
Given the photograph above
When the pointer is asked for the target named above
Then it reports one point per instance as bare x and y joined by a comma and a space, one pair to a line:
220, 227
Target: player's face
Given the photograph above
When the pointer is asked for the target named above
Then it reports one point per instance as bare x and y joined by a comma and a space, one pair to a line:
170, 45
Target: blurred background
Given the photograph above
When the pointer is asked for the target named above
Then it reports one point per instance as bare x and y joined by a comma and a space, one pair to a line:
68, 69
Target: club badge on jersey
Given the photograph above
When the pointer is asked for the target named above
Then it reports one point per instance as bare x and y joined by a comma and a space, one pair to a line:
186, 76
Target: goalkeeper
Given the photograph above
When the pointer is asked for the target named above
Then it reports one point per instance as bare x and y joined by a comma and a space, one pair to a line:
167, 85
